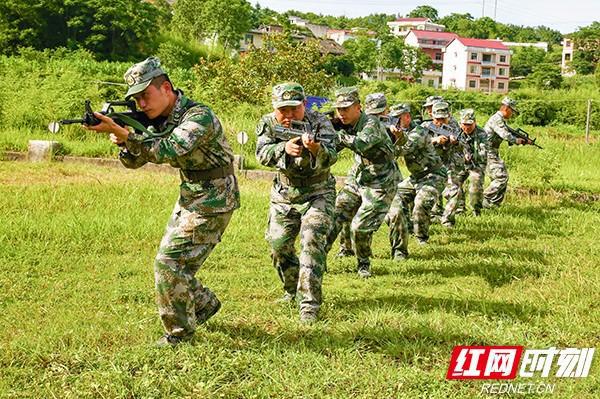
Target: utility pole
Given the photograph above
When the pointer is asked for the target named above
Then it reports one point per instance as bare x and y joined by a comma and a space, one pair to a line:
495, 6
482, 8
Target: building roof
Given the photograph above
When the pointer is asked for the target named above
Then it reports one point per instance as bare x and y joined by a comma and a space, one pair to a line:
430, 34
483, 43
419, 19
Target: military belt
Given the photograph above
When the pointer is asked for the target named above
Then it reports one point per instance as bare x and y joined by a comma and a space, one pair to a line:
194, 176
303, 181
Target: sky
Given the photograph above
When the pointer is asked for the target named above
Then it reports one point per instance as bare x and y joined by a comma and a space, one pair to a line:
563, 15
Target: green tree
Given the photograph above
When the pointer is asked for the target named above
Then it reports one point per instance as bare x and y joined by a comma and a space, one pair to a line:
545, 76
362, 51
586, 56
410, 61
222, 22
524, 59
424, 12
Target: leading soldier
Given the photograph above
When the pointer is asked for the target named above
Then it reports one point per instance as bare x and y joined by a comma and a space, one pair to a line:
188, 136
497, 131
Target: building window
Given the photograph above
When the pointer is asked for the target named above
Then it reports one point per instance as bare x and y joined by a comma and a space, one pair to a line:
486, 58
501, 71
486, 72
501, 85
473, 56
472, 84
248, 39
473, 69
502, 58
430, 83
567, 57
438, 56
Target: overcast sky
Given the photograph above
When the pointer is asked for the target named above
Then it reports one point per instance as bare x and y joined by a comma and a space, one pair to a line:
563, 15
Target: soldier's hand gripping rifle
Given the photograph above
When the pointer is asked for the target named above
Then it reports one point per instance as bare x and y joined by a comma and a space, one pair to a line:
522, 134
131, 117
454, 138
297, 129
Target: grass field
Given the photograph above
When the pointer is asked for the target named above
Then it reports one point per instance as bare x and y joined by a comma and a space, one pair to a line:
77, 298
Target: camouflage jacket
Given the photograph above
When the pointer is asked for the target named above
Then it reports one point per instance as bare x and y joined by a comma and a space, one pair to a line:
419, 154
270, 151
496, 132
478, 144
374, 153
451, 155
191, 139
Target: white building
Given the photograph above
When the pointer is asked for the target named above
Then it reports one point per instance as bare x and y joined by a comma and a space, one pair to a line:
431, 43
320, 31
540, 45
476, 64
567, 57
402, 26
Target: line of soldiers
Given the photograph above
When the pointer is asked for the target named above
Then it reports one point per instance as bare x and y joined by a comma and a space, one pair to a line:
440, 153
189, 136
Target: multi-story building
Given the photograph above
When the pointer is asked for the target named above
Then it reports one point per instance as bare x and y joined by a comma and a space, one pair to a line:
402, 26
567, 57
432, 43
476, 64
320, 31
341, 35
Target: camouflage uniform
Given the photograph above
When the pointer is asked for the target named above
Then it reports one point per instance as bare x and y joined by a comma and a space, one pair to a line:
302, 202
366, 196
476, 143
420, 190
452, 158
496, 132
191, 139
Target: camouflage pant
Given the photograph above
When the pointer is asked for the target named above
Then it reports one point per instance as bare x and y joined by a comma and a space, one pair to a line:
476, 178
346, 239
454, 193
189, 239
421, 194
494, 194
365, 208
311, 219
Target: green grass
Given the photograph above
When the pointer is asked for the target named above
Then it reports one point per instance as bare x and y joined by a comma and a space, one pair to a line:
77, 297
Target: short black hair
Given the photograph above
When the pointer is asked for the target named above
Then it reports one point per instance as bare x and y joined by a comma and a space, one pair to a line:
159, 80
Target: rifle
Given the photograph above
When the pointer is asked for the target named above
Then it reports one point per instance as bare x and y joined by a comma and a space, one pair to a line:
522, 134
132, 117
447, 131
297, 129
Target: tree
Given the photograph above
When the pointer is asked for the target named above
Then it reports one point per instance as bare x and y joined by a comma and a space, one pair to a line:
525, 59
223, 22
586, 56
362, 51
424, 12
545, 76
410, 61
116, 30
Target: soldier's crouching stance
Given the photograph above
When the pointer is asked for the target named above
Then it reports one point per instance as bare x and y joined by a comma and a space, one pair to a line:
188, 136
303, 193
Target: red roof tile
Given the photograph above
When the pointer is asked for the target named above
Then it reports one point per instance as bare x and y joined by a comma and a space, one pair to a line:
429, 34
496, 44
419, 19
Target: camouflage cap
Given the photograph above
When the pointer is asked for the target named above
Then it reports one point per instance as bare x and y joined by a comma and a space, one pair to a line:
345, 97
375, 103
440, 110
399, 109
467, 116
140, 75
509, 102
431, 100
288, 94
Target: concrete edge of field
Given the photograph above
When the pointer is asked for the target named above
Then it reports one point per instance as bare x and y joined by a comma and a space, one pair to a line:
250, 174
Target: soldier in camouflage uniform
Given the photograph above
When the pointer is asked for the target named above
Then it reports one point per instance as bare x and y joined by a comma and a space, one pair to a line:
427, 107
375, 104
366, 196
188, 136
420, 189
497, 131
302, 197
475, 139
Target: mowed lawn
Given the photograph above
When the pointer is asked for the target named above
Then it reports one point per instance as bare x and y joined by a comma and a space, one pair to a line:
78, 319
